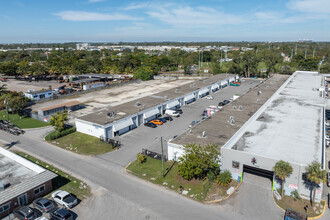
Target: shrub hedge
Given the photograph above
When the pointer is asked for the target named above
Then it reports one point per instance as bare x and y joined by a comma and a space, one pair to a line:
54, 135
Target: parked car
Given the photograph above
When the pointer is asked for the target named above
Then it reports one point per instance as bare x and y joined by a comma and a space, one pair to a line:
224, 102
162, 120
25, 213
45, 205
193, 123
179, 110
61, 214
156, 122
42, 218
328, 182
209, 97
293, 214
64, 198
172, 113
151, 125
168, 118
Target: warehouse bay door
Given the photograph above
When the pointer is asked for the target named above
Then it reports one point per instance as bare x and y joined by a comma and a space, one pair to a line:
257, 176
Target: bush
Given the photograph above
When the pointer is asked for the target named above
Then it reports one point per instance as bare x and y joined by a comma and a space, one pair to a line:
295, 195
224, 178
141, 158
54, 135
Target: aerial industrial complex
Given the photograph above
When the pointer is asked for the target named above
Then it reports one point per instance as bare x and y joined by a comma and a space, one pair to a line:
117, 120
275, 122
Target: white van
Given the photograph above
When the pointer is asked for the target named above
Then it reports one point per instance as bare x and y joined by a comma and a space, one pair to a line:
172, 113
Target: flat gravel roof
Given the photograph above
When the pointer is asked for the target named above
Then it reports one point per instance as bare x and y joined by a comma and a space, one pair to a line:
289, 126
130, 108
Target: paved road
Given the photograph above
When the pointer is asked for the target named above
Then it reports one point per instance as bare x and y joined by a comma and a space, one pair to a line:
149, 138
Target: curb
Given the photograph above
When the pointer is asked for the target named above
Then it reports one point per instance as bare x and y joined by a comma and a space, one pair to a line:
128, 166
316, 217
319, 216
219, 200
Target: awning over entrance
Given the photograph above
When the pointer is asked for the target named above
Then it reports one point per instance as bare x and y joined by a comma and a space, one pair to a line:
203, 91
215, 86
151, 112
122, 124
189, 97
172, 104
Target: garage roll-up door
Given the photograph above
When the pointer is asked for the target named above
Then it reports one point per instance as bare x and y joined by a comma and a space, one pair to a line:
172, 104
203, 91
189, 97
151, 112
215, 86
122, 124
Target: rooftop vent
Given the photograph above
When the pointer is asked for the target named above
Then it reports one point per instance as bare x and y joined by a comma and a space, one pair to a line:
259, 93
190, 131
111, 114
137, 103
234, 107
232, 121
240, 108
177, 90
204, 134
258, 100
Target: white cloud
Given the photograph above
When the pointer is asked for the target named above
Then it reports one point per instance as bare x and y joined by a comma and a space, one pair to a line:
187, 17
92, 16
94, 1
276, 17
310, 6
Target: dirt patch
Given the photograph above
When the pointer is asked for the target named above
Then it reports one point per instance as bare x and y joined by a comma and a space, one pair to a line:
218, 192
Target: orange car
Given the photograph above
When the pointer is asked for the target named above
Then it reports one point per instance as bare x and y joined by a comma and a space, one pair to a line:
156, 122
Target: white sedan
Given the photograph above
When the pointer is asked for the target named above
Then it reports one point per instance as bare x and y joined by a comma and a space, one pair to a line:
64, 198
209, 97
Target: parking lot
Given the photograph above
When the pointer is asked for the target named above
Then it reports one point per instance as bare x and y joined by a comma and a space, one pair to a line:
149, 138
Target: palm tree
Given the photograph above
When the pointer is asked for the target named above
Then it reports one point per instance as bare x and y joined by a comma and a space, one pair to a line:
3, 89
316, 175
282, 170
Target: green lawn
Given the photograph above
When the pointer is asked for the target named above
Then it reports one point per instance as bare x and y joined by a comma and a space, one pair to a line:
298, 205
23, 121
152, 168
82, 144
63, 181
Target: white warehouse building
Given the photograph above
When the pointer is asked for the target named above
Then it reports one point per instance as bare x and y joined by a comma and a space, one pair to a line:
120, 119
288, 126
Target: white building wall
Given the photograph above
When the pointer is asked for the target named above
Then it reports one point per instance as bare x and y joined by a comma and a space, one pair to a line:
174, 151
90, 129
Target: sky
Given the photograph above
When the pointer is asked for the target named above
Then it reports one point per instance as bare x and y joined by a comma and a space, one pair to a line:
48, 21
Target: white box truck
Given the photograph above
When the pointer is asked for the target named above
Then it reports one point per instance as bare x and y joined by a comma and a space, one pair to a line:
172, 113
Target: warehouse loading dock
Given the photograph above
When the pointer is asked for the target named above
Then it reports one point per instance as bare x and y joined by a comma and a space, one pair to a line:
258, 172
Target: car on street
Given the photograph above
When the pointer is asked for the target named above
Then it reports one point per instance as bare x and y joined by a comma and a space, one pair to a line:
168, 118
224, 102
45, 205
151, 125
328, 182
209, 97
156, 122
25, 213
64, 198
61, 214
193, 123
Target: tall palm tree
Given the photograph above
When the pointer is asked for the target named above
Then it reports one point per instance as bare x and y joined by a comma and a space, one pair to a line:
316, 175
282, 170
3, 89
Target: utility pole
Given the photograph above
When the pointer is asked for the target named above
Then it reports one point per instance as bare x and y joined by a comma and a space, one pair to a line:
313, 52
296, 50
6, 103
221, 59
291, 53
161, 145
199, 60
305, 53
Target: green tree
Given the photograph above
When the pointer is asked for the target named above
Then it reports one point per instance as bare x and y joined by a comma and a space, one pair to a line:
144, 73
250, 63
198, 161
316, 175
8, 68
17, 102
325, 68
224, 178
271, 58
282, 170
58, 120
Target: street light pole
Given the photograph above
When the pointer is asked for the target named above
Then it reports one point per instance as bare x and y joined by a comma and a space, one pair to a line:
161, 145
6, 108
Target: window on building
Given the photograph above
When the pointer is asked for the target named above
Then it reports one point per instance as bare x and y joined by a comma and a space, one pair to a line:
4, 208
35, 96
235, 164
39, 189
49, 93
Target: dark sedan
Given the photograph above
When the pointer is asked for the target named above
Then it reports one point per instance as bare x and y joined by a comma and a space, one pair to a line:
168, 118
25, 212
61, 214
151, 125
162, 120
